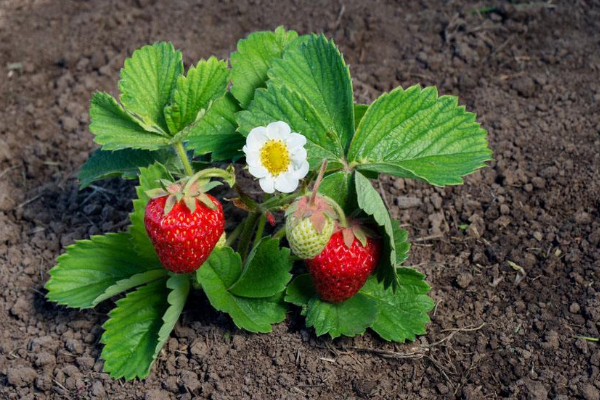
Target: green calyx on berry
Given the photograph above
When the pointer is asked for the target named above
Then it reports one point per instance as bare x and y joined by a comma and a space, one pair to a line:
190, 189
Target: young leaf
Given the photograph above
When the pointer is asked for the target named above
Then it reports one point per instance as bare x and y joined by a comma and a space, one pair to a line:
267, 271
371, 203
414, 134
403, 313
220, 272
131, 333
148, 80
340, 187
359, 113
253, 59
216, 132
180, 289
149, 179
204, 83
126, 163
281, 104
349, 318
91, 267
115, 129
316, 69
401, 244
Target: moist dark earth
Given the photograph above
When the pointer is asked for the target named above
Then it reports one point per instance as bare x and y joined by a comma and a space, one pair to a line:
531, 72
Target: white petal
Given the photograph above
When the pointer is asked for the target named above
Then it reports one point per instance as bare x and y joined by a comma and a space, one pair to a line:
253, 159
258, 171
299, 154
267, 184
256, 138
295, 140
280, 128
302, 171
286, 182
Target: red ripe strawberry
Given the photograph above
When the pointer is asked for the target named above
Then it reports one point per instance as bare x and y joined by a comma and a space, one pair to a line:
344, 265
182, 238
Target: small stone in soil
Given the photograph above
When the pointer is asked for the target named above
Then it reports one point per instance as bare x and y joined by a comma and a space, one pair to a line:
464, 279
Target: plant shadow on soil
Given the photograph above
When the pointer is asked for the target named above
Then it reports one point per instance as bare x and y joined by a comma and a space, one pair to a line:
532, 74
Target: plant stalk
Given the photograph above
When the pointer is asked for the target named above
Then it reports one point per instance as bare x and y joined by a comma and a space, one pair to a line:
234, 234
184, 158
246, 235
313, 195
259, 231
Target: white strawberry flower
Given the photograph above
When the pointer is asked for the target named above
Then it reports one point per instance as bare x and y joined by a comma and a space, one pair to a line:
276, 156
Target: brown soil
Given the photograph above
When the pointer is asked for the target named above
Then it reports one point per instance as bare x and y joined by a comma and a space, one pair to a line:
532, 74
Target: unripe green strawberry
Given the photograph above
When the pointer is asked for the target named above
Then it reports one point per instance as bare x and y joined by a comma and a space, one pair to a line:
304, 239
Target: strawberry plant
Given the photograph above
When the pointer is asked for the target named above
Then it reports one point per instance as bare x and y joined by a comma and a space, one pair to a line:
282, 108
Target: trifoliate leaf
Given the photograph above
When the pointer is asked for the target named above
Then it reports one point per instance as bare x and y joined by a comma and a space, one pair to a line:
148, 81
220, 272
149, 179
131, 333
315, 69
126, 163
216, 132
349, 318
204, 83
267, 271
281, 104
253, 59
403, 313
90, 268
115, 129
371, 203
413, 133
339, 186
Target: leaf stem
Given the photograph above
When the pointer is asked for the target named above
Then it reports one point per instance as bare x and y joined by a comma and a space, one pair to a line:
246, 234
184, 158
234, 234
279, 234
259, 231
313, 195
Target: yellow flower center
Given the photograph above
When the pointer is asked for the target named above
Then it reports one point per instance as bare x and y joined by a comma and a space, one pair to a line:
275, 157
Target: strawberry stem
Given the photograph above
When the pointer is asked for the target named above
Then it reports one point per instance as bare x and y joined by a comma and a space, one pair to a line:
246, 234
184, 158
338, 210
259, 231
234, 235
313, 195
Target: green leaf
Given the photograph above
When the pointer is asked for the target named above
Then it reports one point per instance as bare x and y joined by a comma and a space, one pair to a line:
316, 69
400, 242
281, 104
359, 113
90, 268
115, 129
126, 163
414, 133
349, 318
371, 203
253, 59
340, 187
180, 289
221, 271
148, 80
267, 271
403, 313
216, 132
131, 333
204, 83
129, 283
149, 179
300, 291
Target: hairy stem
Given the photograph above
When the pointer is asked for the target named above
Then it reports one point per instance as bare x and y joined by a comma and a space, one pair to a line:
313, 196
246, 235
184, 158
234, 234
259, 231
